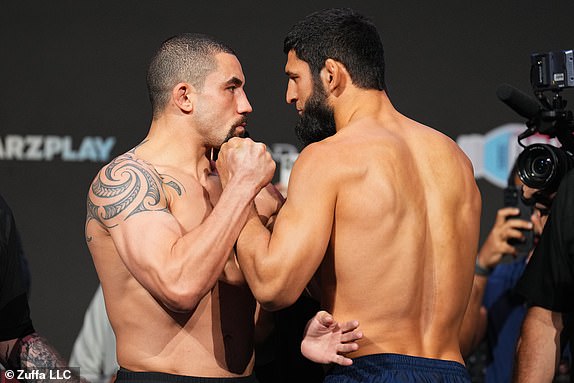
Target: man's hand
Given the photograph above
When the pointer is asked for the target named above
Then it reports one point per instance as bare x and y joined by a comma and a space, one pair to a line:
325, 339
249, 161
268, 202
496, 244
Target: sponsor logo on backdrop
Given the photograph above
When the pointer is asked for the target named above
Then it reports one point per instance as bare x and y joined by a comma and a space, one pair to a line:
14, 147
494, 153
285, 156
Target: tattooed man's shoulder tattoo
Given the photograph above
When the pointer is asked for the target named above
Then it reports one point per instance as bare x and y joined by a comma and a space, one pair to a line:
124, 187
173, 183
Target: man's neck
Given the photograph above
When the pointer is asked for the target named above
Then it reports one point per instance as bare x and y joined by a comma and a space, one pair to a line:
170, 145
358, 103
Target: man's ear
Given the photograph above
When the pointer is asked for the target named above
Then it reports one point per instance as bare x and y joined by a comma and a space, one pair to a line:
183, 96
333, 76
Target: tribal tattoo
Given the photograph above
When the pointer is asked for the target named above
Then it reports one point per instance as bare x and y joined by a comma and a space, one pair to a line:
127, 185
173, 183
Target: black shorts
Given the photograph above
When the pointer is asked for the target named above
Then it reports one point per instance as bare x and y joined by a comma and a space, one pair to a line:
158, 377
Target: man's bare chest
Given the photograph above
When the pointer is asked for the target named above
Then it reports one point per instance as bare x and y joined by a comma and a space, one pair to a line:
190, 201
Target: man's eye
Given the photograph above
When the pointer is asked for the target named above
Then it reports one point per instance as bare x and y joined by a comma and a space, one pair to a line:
232, 89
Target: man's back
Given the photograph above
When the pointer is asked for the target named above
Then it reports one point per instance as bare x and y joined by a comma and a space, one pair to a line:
404, 235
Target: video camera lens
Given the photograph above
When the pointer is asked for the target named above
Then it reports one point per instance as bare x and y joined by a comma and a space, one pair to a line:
542, 166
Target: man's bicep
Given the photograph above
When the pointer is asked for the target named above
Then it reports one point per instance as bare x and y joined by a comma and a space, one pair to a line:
302, 229
127, 199
304, 224
144, 243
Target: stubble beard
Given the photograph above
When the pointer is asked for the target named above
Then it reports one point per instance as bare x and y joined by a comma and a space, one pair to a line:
233, 130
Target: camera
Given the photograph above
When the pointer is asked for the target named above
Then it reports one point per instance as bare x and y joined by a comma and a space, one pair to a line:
552, 70
512, 197
542, 166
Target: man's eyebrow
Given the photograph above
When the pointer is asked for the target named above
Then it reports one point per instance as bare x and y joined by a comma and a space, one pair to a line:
234, 81
289, 73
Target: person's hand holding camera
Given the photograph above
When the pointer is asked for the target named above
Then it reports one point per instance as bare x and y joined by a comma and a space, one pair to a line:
505, 228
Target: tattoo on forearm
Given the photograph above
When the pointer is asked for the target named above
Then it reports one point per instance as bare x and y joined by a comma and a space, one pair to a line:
33, 353
127, 185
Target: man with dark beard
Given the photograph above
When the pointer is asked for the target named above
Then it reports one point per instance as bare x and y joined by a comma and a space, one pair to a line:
383, 210
317, 122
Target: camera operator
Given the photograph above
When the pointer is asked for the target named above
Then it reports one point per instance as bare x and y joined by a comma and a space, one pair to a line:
548, 285
545, 170
495, 312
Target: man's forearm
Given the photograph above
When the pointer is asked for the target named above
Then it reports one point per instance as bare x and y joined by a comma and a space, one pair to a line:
538, 347
264, 272
252, 241
473, 327
34, 351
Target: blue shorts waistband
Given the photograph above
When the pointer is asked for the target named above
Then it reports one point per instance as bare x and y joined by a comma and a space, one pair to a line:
413, 367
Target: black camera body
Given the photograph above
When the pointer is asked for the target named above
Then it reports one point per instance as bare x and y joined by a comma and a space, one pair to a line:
552, 70
542, 166
513, 198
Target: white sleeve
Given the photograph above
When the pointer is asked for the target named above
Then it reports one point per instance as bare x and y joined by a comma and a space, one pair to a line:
94, 350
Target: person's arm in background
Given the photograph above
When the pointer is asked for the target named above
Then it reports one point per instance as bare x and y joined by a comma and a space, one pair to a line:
473, 327
21, 347
30, 352
94, 350
547, 284
538, 349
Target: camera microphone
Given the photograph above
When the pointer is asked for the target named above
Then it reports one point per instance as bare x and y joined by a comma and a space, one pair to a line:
520, 102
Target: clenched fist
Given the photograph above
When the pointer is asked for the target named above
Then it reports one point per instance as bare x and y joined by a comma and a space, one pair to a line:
245, 161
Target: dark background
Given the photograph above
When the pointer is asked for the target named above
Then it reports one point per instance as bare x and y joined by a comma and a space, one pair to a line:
77, 68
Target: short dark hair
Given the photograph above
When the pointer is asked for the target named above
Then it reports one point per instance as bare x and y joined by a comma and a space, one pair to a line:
187, 57
344, 35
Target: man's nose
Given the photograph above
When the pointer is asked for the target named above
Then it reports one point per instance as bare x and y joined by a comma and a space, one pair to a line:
291, 94
243, 105
528, 192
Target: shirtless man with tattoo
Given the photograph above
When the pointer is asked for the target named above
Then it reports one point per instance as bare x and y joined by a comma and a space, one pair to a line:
383, 209
161, 231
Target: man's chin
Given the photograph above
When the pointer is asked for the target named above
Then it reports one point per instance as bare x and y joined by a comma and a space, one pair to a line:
240, 132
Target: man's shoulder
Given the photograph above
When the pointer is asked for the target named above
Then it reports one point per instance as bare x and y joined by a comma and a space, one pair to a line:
127, 162
316, 151
318, 163
125, 173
